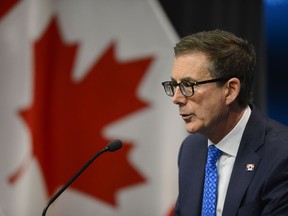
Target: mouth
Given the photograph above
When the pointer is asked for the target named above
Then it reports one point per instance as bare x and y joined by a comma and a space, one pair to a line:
186, 117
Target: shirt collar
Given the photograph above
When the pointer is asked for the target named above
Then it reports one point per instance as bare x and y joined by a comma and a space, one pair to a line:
230, 143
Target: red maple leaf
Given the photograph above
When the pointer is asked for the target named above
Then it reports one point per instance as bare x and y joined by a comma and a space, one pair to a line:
67, 118
6, 6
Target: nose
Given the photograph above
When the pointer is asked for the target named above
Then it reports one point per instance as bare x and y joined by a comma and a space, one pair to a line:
178, 97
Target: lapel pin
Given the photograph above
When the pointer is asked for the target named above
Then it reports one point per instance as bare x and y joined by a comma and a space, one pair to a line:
250, 167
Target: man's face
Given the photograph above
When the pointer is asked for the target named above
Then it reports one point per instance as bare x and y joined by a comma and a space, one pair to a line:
205, 111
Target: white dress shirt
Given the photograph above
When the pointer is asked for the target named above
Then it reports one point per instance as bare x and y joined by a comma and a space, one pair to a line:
229, 146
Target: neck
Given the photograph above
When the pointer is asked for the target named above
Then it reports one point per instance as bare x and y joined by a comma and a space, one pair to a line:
228, 121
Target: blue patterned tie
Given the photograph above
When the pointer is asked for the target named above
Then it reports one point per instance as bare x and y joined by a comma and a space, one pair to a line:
211, 182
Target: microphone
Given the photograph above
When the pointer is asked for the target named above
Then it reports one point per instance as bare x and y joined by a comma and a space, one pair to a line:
111, 147
114, 145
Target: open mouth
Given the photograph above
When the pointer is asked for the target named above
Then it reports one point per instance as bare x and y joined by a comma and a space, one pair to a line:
186, 116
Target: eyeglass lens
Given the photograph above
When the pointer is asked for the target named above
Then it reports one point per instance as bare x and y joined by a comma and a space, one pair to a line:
185, 88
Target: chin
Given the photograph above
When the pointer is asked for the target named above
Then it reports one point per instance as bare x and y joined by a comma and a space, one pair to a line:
191, 129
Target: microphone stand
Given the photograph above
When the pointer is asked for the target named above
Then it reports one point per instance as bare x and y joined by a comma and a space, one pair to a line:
53, 198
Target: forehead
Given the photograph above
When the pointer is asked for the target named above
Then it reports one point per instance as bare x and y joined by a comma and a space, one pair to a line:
192, 65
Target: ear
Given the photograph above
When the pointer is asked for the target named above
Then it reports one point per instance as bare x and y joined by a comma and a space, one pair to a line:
232, 89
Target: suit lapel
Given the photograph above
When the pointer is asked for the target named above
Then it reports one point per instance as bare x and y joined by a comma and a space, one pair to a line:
240, 180
198, 178
252, 140
192, 161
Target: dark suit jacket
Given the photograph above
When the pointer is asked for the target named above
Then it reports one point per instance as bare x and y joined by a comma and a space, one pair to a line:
263, 191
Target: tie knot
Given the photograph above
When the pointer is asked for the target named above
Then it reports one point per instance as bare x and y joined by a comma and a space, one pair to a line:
213, 154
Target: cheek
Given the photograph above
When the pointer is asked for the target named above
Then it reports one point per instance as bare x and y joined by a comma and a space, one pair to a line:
209, 107
206, 114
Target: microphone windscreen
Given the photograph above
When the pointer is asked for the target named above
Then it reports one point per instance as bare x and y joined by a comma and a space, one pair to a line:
114, 145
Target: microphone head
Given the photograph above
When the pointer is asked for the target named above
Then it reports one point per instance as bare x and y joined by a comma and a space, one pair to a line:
114, 145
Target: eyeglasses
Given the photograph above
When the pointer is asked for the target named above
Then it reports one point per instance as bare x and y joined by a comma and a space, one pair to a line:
187, 88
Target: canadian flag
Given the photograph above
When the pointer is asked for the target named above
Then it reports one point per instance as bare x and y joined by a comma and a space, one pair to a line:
74, 76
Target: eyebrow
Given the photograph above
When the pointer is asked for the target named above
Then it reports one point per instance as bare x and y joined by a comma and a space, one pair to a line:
188, 79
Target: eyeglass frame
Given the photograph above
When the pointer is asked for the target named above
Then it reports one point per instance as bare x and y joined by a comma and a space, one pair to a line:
192, 84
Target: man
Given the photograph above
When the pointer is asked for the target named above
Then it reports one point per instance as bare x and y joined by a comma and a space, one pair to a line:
211, 83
